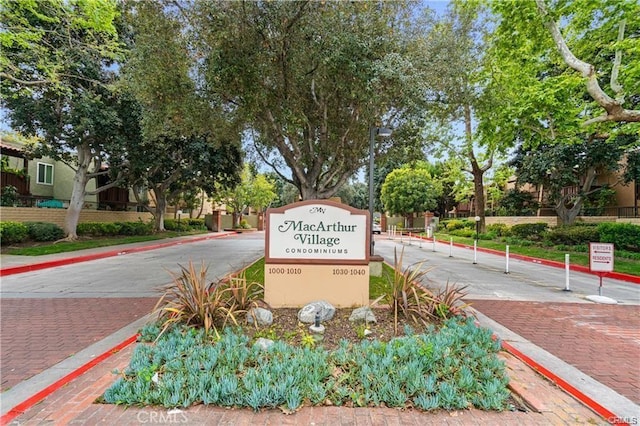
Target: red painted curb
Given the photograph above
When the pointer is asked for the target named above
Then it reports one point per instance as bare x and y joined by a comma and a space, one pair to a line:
584, 399
30, 402
12, 270
634, 279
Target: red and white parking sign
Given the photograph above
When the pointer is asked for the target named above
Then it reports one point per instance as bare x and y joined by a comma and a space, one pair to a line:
601, 257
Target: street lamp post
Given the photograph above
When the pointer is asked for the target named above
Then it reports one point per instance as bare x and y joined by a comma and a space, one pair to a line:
477, 226
373, 132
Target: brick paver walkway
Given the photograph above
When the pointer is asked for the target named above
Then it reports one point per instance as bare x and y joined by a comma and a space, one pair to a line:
36, 334
602, 341
74, 404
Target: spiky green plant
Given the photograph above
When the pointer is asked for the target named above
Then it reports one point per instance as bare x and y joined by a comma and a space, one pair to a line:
405, 295
191, 301
448, 302
240, 294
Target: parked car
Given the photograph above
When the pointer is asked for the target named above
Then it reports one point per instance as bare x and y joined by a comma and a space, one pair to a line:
377, 229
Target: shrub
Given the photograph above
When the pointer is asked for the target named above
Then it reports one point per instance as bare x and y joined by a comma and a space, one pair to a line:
9, 196
572, 235
13, 232
197, 223
529, 231
500, 229
135, 228
455, 224
625, 236
469, 233
41, 231
193, 302
177, 225
98, 229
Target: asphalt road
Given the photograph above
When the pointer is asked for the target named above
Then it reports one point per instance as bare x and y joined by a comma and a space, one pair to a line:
487, 278
140, 274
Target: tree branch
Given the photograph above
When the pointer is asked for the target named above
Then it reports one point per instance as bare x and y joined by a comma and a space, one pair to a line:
24, 82
614, 110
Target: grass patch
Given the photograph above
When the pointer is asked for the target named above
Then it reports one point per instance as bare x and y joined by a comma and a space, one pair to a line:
67, 246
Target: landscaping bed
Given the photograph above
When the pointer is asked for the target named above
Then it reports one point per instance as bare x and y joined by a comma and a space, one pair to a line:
454, 366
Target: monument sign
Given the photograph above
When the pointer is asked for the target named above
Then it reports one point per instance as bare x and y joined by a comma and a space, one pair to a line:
317, 250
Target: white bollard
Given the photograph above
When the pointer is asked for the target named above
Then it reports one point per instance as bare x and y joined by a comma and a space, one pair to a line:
506, 266
409, 238
475, 251
567, 264
451, 247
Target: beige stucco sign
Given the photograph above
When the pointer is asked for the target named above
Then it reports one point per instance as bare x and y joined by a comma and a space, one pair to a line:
317, 249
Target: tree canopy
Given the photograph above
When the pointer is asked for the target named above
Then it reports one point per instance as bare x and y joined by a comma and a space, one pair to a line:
56, 84
410, 190
309, 78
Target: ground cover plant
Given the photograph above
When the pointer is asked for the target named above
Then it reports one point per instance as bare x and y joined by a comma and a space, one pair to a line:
202, 350
452, 367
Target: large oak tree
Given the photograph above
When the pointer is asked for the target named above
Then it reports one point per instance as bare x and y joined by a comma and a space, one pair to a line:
309, 79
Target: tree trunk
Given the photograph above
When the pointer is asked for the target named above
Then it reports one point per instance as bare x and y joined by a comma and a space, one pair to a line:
566, 214
308, 193
478, 194
77, 193
477, 171
161, 206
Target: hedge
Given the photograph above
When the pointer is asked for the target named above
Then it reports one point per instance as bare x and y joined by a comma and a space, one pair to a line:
625, 236
13, 232
43, 231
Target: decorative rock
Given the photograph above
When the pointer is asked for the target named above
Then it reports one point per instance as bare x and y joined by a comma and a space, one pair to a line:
308, 313
264, 343
259, 316
363, 314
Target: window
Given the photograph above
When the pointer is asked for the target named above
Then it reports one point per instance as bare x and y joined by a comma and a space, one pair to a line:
45, 174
